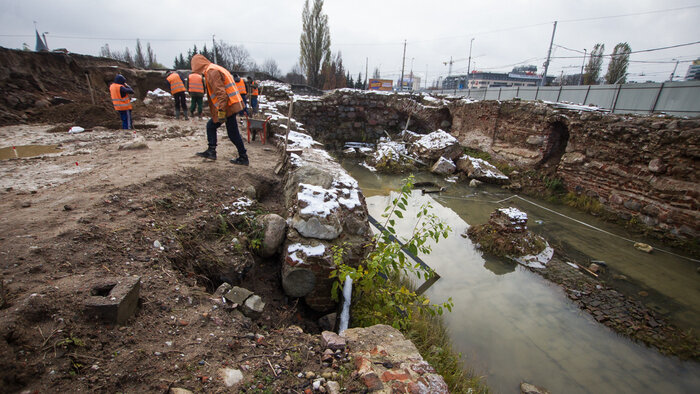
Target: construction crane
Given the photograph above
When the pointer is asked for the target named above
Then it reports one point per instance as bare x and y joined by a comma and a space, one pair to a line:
449, 72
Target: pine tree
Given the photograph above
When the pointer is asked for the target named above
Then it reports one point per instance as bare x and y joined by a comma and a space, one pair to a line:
315, 41
151, 57
620, 59
592, 70
358, 81
139, 57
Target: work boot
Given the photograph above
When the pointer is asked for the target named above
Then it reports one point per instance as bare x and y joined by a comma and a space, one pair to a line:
243, 161
210, 153
186, 117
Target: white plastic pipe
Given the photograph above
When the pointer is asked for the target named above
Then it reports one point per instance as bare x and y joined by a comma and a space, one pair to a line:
345, 313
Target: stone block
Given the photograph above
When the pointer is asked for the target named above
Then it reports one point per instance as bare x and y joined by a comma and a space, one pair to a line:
238, 295
253, 306
114, 299
333, 341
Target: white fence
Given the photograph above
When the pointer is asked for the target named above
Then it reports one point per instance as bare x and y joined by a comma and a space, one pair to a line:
672, 98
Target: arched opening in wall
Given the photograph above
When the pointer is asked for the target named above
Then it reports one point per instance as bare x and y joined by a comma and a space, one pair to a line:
445, 119
555, 144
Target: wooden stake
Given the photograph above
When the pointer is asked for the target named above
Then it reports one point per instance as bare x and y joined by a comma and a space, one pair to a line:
92, 95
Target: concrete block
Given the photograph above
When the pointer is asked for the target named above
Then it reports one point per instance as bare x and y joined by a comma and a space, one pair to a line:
114, 299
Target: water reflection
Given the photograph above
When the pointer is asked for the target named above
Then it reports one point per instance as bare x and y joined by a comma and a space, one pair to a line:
499, 267
520, 327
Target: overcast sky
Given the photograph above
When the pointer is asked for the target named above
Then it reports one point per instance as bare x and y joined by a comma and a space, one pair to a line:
505, 33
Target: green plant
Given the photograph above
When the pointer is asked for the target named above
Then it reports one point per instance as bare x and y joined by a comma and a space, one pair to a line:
381, 300
555, 185
477, 154
584, 203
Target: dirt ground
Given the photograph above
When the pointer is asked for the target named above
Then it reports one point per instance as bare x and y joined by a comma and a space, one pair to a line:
93, 211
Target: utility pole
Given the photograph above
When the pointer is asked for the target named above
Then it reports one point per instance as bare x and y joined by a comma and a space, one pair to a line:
469, 64
549, 54
214, 44
580, 80
426, 77
403, 65
366, 72
672, 74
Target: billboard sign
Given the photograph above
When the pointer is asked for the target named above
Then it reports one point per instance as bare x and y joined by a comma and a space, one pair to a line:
381, 84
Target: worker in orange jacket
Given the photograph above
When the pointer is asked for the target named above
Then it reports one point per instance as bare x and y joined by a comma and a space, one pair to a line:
177, 89
224, 103
195, 84
240, 84
120, 92
253, 94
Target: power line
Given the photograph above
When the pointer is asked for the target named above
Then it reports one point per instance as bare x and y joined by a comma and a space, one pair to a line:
632, 14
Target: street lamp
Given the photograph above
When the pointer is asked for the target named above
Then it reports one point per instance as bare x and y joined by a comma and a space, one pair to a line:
580, 81
469, 63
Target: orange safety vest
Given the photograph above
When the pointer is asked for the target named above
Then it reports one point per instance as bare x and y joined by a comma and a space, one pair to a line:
176, 85
254, 88
195, 82
231, 91
241, 86
120, 103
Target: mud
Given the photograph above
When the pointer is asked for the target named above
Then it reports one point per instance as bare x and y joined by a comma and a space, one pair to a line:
94, 211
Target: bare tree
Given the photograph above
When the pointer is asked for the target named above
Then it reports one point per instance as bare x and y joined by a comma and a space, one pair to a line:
376, 74
295, 75
592, 70
270, 67
617, 69
105, 52
315, 42
233, 57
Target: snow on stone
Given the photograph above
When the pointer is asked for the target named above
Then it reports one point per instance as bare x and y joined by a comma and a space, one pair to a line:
238, 207
300, 140
572, 106
392, 150
277, 85
365, 150
307, 98
536, 261
307, 250
158, 93
350, 198
319, 201
437, 140
486, 167
515, 215
367, 166
452, 179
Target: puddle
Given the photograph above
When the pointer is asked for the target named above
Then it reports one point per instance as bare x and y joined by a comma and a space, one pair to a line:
512, 325
27, 151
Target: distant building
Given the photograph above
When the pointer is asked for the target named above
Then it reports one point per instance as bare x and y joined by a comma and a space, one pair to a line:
479, 80
410, 82
693, 71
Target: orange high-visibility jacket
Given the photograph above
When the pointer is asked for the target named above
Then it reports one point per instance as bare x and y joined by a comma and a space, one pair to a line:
195, 83
233, 96
120, 103
254, 88
176, 85
241, 86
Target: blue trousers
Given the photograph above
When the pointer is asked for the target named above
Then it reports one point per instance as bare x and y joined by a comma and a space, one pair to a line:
231, 130
126, 119
254, 103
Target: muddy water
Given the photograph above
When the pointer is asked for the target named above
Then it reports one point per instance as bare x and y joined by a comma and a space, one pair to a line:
27, 151
511, 325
